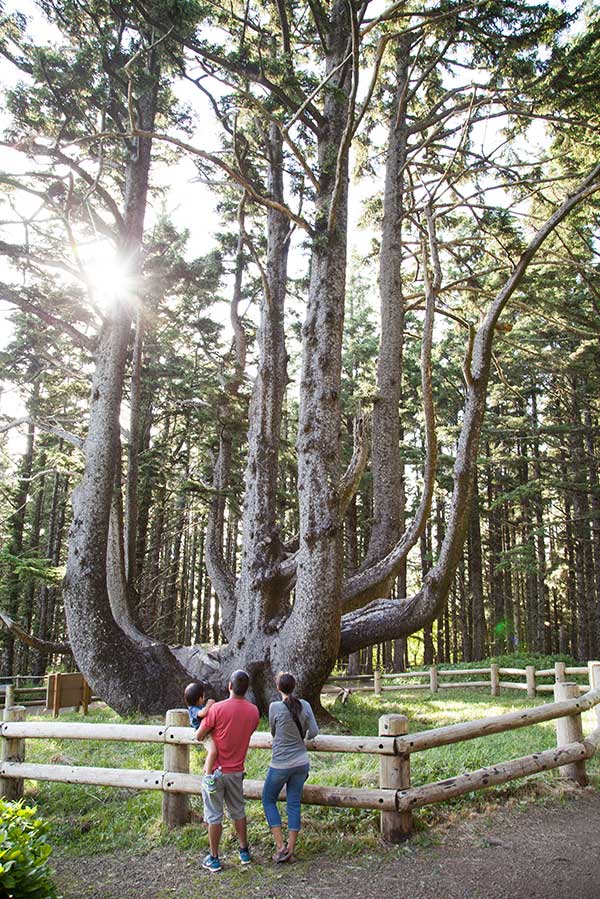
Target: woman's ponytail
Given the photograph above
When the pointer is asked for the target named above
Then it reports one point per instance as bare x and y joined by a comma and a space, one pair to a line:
286, 683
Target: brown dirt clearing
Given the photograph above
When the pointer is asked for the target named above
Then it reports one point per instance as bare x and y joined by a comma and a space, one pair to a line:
545, 850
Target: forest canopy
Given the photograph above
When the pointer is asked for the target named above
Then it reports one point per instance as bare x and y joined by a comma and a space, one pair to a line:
300, 352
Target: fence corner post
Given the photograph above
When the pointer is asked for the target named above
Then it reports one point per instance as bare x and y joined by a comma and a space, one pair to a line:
394, 774
494, 679
594, 675
569, 730
13, 750
377, 682
530, 680
176, 806
560, 674
9, 696
433, 679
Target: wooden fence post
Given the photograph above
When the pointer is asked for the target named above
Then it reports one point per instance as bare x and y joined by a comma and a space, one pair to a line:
86, 697
377, 682
57, 690
9, 696
530, 680
560, 674
433, 678
394, 774
570, 730
176, 806
494, 679
594, 675
13, 750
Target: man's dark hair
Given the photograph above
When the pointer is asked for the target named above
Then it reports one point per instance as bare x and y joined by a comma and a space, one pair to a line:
194, 692
240, 681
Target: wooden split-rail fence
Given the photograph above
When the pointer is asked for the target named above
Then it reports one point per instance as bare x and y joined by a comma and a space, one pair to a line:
59, 691
394, 798
345, 684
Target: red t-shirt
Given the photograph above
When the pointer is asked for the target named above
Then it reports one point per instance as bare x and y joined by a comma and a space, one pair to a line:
232, 723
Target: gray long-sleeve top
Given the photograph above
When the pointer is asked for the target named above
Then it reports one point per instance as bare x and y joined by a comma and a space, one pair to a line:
289, 750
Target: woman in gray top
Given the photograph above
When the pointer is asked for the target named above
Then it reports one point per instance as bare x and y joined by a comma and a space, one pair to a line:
291, 720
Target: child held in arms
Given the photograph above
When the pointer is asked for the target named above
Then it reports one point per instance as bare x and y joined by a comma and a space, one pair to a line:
198, 708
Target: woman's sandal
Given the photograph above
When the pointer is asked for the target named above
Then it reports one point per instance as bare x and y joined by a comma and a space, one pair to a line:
282, 855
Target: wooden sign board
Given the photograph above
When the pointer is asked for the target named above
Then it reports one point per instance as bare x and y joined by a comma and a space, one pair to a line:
66, 691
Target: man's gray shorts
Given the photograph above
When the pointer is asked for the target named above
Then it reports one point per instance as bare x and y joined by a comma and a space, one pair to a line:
229, 792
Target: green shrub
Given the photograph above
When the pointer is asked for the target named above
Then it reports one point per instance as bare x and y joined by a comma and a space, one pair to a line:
24, 853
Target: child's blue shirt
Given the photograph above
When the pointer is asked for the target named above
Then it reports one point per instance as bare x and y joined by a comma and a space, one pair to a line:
193, 712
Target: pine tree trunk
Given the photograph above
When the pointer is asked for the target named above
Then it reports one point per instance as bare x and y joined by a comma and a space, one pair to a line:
17, 529
476, 578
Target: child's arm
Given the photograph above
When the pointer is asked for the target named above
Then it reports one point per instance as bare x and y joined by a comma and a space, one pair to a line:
204, 712
203, 732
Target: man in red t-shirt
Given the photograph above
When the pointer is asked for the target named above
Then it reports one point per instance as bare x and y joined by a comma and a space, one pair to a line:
231, 723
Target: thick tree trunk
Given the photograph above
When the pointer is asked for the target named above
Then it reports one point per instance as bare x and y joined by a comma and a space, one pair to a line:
220, 573
117, 668
386, 461
309, 639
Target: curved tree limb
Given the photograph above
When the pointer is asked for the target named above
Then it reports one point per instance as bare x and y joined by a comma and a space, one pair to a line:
350, 480
246, 68
235, 176
25, 305
386, 619
47, 647
42, 425
54, 152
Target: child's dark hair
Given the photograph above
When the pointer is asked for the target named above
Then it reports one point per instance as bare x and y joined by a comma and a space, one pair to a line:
194, 692
285, 683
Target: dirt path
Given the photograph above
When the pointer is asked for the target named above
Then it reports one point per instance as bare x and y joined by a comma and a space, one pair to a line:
542, 851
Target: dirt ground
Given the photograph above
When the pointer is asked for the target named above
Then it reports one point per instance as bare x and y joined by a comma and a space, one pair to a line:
541, 851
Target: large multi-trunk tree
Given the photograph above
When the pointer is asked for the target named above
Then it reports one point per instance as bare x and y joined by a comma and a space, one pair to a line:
295, 75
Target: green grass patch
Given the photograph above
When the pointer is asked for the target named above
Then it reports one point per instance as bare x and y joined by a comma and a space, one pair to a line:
85, 820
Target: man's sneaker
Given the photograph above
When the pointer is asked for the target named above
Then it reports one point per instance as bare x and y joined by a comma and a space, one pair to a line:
212, 863
209, 782
245, 858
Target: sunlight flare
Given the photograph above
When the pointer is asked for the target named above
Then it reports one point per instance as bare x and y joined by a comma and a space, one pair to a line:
109, 276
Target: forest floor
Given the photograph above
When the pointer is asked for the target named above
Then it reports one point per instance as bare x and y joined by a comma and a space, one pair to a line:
542, 849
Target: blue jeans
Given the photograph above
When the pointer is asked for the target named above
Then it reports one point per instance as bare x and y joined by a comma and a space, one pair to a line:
277, 778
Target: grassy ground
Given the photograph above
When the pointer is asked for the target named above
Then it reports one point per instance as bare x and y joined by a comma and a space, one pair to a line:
89, 820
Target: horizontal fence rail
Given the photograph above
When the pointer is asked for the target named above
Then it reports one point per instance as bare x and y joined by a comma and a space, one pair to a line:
177, 782
470, 730
184, 736
429, 794
395, 799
